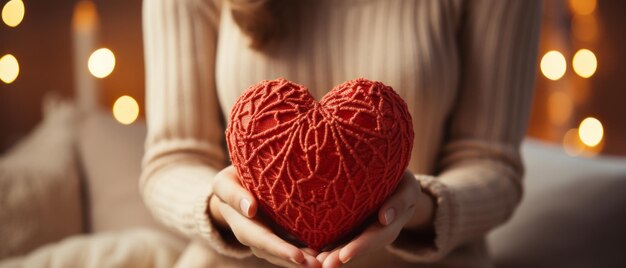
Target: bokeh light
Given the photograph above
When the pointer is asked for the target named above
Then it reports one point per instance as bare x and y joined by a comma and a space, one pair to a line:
572, 144
9, 68
590, 131
585, 27
560, 107
553, 65
101, 62
125, 110
585, 63
582, 7
13, 13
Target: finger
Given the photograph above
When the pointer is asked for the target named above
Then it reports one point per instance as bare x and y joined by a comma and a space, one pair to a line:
228, 188
373, 237
273, 259
332, 261
254, 234
322, 256
310, 251
310, 261
400, 202
215, 214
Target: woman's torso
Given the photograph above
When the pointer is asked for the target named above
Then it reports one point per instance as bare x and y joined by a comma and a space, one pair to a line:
410, 45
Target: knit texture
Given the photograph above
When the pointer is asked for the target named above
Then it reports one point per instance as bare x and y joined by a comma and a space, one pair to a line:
319, 169
464, 68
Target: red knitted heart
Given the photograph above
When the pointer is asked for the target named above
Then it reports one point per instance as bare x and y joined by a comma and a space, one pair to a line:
320, 169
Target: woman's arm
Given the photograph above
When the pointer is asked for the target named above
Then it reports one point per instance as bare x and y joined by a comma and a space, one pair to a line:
183, 147
479, 185
185, 161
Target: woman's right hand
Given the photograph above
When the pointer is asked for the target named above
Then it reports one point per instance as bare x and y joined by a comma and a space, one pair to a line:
233, 207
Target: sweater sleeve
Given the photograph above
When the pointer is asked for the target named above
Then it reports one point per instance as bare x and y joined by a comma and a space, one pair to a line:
479, 184
184, 143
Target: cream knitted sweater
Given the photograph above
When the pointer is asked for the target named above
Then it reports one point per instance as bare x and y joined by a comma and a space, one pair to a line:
465, 69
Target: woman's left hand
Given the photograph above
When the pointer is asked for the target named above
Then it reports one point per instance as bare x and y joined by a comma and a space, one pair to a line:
408, 207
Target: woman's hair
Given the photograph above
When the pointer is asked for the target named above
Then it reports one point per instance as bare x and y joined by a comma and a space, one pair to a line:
261, 20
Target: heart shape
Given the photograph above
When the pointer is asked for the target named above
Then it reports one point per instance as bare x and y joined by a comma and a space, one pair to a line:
319, 170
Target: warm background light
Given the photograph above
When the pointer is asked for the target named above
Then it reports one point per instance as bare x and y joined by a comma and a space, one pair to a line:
560, 107
9, 68
590, 131
85, 16
585, 27
553, 65
585, 63
572, 144
101, 62
582, 7
13, 13
126, 110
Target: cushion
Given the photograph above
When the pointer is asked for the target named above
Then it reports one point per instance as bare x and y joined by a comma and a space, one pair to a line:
40, 194
572, 214
128, 248
111, 154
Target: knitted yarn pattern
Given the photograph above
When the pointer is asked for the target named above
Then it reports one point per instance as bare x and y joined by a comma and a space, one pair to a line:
319, 169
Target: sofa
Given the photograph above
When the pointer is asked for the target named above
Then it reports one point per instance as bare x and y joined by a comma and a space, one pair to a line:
72, 186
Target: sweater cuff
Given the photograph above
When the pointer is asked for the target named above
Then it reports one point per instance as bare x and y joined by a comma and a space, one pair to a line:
223, 243
434, 245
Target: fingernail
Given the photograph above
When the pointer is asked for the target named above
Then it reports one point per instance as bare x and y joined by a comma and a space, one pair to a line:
295, 261
244, 205
310, 251
320, 258
389, 215
346, 261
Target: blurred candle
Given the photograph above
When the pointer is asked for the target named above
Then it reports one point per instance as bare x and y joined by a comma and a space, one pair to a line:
585, 27
85, 37
582, 7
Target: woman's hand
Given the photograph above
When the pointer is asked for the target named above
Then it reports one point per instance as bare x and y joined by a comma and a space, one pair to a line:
233, 207
408, 207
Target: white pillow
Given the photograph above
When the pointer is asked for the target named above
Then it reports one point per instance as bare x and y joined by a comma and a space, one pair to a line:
572, 214
40, 195
111, 155
128, 248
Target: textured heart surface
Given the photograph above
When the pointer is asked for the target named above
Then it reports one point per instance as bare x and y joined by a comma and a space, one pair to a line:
319, 169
